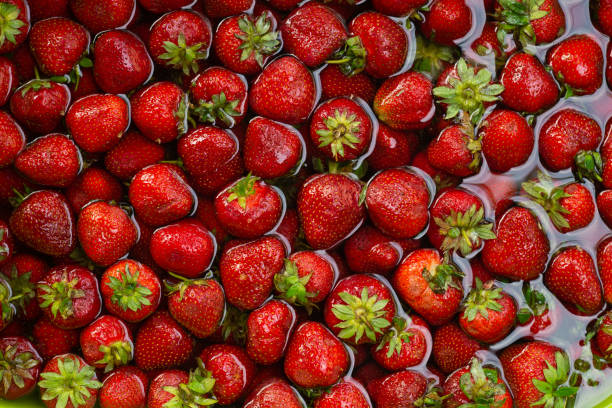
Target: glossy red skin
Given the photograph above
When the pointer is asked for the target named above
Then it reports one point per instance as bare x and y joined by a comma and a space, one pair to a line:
8, 79
52, 367
604, 265
354, 285
322, 274
601, 16
602, 339
210, 184
479, 271
121, 61
397, 8
206, 214
44, 221
452, 348
133, 153
146, 278
247, 271
24, 62
13, 140
18, 265
285, 91
551, 26
313, 32
580, 206
273, 393
93, 184
487, 41
125, 387
40, 111
155, 111
343, 394
289, 228
58, 44
104, 331
563, 135
161, 343
401, 389
163, 6
22, 345
217, 80
449, 152
412, 353
50, 340
268, 330
447, 21
370, 251
606, 155
457, 397
160, 194
232, 370
200, 309
226, 8
572, 278
41, 9
329, 209
394, 148
335, 84
157, 397
99, 16
315, 357
507, 140
496, 326
604, 206
397, 202
207, 149
24, 16
579, 61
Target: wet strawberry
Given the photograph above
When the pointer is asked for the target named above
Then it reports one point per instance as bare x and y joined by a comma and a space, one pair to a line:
23, 271
452, 348
14, 31
93, 184
274, 393
21, 365
133, 153
370, 251
226, 8
403, 346
101, 16
268, 331
51, 341
8, 79
335, 83
447, 21
232, 370
107, 343
126, 387
40, 105
344, 393
13, 141
534, 22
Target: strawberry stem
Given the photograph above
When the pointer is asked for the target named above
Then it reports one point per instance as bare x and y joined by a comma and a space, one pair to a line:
364, 315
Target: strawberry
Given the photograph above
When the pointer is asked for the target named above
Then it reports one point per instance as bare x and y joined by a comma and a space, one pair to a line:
604, 265
520, 250
268, 331
578, 63
125, 387
160, 194
40, 105
13, 140
161, 343
404, 345
429, 285
107, 343
528, 87
397, 8
51, 341
536, 314
456, 151
397, 202
452, 348
315, 357
133, 153
457, 222
288, 229
84, 84
329, 209
93, 184
370, 251
334, 83
247, 271
447, 21
273, 393
8, 79
101, 16
601, 17
16, 24
7, 309
97, 122
232, 370
11, 181
405, 101
7, 244
402, 389
536, 373
58, 44
198, 304
121, 61
249, 208
209, 184
284, 91
206, 214
244, 43
225, 8
130, 290
179, 389
341, 129
603, 336
44, 221
185, 248
22, 272
507, 140
572, 277
345, 393
564, 135
20, 364
271, 149
312, 33
68, 381
488, 43
163, 6
535, 21
51, 160
160, 111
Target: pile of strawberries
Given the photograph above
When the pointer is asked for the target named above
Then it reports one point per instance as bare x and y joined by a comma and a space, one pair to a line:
291, 204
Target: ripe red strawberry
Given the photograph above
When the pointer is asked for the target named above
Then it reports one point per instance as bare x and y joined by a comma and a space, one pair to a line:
329, 209
488, 43
20, 364
456, 151
160, 111
106, 232
335, 83
247, 271
403, 346
578, 63
130, 290
69, 296
447, 21
397, 8
528, 87
51, 341
206, 214
97, 122
535, 22
431, 287
601, 16
520, 250
107, 343
274, 393
125, 387
51, 160
345, 393
507, 140
452, 348
14, 31
163, 6
198, 304
397, 202
100, 16
284, 91
268, 331
40, 105
603, 336
402, 389
604, 265
244, 43
232, 370
133, 153
8, 79
58, 44
160, 194
13, 140
22, 272
177, 388
121, 61
44, 221
536, 373
161, 343
315, 357
225, 8
93, 184
67, 378
185, 248
405, 101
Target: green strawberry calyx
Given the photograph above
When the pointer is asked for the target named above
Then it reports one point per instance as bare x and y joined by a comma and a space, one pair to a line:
35, 85
431, 58
363, 315
10, 23
481, 299
15, 367
516, 16
395, 337
536, 305
433, 398
59, 296
242, 190
292, 287
182, 284
23, 290
219, 107
351, 58
481, 385
442, 277
258, 39
115, 354
544, 192
185, 57
555, 394
588, 165
72, 383
197, 392
469, 92
8, 310
341, 130
464, 231
128, 293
